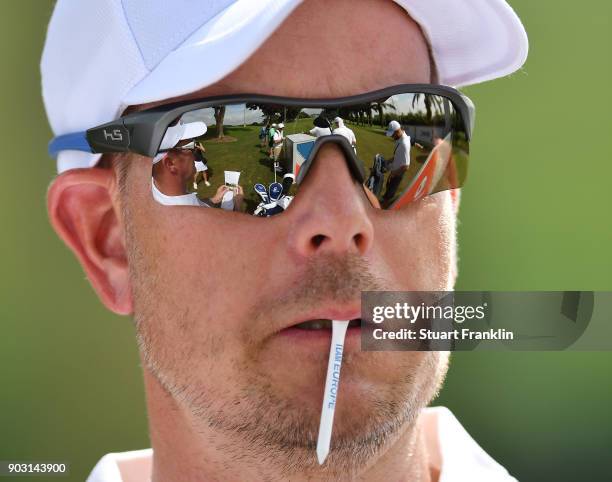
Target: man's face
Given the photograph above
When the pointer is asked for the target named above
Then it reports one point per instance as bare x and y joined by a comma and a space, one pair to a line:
181, 163
174, 170
215, 292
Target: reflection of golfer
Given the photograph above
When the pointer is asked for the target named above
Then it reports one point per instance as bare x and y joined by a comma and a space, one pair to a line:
344, 131
401, 158
271, 132
171, 171
277, 140
322, 127
200, 165
263, 135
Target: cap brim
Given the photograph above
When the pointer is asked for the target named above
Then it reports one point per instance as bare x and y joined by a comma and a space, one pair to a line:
180, 132
193, 130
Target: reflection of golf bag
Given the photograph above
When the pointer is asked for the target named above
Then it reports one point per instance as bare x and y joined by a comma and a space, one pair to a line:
276, 200
377, 174
265, 210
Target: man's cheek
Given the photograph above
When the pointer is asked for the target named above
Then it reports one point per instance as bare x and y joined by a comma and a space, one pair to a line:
422, 244
445, 208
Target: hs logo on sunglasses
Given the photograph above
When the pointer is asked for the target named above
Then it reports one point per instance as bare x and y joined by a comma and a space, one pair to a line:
114, 135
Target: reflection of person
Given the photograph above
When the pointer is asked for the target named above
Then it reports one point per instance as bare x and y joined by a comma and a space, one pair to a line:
233, 392
171, 172
344, 131
322, 127
232, 198
271, 132
277, 140
200, 165
400, 162
263, 135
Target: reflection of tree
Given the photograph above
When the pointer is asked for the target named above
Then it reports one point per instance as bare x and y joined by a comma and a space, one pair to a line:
219, 117
357, 113
448, 120
431, 102
276, 112
380, 107
363, 114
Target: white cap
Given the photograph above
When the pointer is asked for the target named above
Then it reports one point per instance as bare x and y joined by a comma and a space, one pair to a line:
281, 126
392, 127
339, 121
102, 56
178, 133
274, 125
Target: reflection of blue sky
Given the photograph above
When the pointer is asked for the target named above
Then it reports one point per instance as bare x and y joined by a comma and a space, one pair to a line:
312, 112
238, 114
404, 104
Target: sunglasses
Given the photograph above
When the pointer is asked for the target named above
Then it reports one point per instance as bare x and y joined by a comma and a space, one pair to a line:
400, 143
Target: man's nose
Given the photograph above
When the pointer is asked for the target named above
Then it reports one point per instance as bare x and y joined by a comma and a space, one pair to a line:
330, 212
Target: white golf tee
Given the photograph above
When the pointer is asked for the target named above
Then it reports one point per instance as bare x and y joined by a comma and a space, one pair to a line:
332, 383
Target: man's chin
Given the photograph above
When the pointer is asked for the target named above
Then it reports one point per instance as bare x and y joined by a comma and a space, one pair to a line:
379, 393
365, 424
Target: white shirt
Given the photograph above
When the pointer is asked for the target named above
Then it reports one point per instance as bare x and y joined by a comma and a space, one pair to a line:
346, 132
401, 154
278, 137
320, 131
185, 200
450, 449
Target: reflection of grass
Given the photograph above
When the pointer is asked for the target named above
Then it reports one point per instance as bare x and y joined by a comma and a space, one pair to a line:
245, 155
221, 140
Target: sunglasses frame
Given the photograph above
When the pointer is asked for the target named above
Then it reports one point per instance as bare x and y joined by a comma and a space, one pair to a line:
142, 132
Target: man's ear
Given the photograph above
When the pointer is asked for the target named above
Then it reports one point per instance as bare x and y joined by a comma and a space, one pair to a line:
170, 165
84, 211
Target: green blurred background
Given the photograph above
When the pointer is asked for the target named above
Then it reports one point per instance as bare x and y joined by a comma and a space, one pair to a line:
535, 215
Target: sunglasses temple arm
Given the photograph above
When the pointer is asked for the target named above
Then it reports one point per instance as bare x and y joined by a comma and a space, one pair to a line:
75, 141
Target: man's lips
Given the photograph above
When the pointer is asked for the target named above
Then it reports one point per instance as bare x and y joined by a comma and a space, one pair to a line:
322, 319
318, 340
312, 332
323, 324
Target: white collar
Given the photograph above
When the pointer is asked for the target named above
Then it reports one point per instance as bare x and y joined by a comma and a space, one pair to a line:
190, 199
